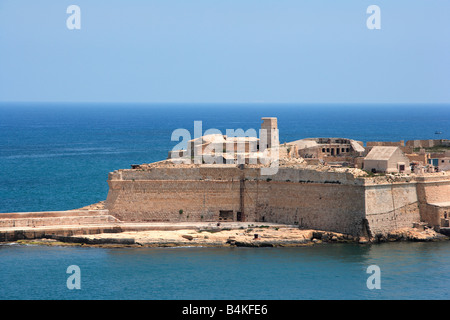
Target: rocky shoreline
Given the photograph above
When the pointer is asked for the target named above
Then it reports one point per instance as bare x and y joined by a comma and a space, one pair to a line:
258, 236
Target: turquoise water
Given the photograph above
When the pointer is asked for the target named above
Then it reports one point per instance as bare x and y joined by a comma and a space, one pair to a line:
333, 271
57, 157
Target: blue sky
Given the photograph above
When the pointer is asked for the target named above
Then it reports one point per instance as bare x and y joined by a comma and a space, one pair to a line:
289, 51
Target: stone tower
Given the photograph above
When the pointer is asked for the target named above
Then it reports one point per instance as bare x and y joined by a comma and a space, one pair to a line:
271, 126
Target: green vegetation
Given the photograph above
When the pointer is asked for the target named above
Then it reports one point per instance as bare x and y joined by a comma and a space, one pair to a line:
45, 242
440, 148
213, 230
371, 174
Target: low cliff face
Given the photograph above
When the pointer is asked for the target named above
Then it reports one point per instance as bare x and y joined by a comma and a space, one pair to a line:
338, 200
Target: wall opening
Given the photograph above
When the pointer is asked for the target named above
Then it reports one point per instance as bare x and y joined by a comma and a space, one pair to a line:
226, 215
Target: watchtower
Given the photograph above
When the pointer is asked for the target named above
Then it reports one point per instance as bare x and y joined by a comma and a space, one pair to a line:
271, 126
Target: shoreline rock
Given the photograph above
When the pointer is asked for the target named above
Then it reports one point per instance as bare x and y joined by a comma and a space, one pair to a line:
413, 235
264, 237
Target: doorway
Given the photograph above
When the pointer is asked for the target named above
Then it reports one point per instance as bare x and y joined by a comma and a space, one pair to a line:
226, 215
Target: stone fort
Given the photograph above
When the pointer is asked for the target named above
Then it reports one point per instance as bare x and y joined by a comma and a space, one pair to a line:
310, 194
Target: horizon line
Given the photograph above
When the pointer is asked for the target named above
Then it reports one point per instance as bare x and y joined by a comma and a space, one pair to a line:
217, 103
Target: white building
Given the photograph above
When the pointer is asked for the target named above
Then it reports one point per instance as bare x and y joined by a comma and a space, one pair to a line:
386, 160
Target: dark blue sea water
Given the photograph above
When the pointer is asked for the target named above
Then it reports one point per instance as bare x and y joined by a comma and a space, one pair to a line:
57, 157
337, 271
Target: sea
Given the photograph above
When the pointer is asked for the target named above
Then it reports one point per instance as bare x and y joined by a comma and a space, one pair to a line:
57, 156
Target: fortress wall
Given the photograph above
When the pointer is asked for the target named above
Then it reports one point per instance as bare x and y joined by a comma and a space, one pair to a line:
331, 207
55, 221
391, 206
400, 143
222, 172
321, 200
52, 214
232, 172
160, 193
430, 214
313, 176
433, 190
162, 200
326, 200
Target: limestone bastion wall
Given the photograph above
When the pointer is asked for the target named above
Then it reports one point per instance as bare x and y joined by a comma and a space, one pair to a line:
394, 204
432, 191
324, 200
391, 206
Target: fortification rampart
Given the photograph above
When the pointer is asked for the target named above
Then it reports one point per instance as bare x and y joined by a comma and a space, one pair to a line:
391, 206
434, 198
325, 199
54, 218
328, 200
323, 206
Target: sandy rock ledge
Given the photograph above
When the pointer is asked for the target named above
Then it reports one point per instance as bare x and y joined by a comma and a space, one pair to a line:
259, 236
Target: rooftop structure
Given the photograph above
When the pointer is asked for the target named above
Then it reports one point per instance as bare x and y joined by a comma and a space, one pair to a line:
387, 159
221, 149
332, 151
